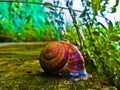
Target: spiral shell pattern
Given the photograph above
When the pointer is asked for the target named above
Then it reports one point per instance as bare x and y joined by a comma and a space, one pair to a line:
59, 56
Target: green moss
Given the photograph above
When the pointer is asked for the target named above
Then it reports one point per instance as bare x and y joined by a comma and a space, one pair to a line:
20, 70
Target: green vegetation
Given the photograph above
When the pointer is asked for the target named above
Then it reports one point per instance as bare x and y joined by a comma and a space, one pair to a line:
23, 22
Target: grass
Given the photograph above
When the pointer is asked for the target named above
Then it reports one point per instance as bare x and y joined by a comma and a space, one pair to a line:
20, 70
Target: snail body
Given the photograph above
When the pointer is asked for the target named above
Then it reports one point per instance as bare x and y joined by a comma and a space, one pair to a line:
61, 56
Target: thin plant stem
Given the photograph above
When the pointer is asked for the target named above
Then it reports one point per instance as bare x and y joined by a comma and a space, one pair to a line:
75, 25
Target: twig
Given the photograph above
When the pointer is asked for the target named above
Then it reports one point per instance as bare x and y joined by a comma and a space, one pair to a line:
46, 4
75, 25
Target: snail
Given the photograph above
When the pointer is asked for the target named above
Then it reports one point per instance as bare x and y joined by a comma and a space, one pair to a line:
62, 56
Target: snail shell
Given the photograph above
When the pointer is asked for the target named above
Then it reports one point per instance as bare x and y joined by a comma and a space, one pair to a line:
61, 56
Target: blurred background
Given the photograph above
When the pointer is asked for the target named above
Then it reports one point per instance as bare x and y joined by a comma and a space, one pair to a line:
35, 22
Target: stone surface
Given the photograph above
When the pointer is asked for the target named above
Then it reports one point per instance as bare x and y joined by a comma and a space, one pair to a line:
20, 70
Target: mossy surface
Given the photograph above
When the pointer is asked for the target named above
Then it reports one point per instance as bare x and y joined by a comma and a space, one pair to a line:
20, 70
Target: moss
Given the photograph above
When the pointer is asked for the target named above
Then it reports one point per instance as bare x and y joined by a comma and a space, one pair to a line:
20, 70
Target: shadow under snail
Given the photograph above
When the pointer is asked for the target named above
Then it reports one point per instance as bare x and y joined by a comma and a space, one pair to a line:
60, 57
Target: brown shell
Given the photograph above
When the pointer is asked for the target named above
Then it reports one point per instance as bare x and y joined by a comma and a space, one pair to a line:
59, 56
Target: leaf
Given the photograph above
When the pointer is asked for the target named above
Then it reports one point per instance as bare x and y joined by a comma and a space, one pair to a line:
111, 47
113, 9
103, 34
102, 25
103, 8
117, 2
110, 26
88, 3
114, 37
48, 4
96, 33
95, 7
83, 13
